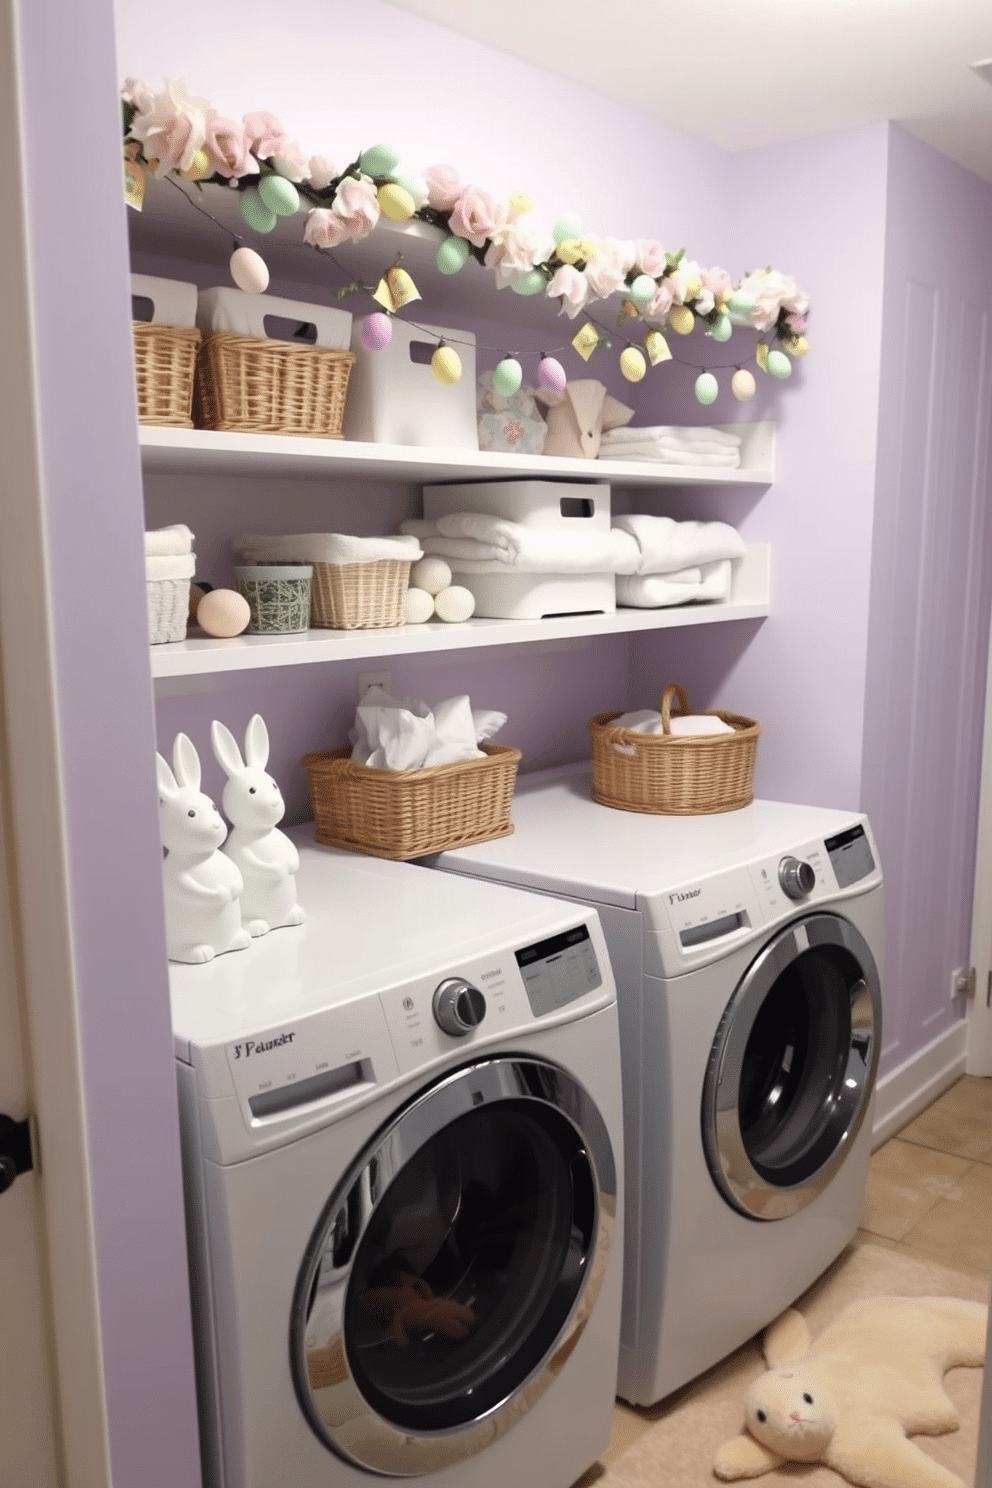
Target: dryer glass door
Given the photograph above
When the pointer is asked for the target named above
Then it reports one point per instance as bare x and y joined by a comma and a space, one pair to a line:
456, 1265
792, 1067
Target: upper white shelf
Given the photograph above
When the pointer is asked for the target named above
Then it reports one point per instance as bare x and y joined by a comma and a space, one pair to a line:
207, 452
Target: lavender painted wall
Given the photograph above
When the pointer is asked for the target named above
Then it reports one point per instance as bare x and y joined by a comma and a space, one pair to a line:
92, 482
931, 579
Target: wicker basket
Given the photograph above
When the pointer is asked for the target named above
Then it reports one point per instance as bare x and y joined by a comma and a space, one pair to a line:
164, 367
168, 609
359, 596
408, 813
254, 386
674, 775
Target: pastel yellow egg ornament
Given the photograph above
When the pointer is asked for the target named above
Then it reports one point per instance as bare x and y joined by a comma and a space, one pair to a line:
742, 385
681, 319
632, 364
199, 167
396, 202
570, 250
446, 365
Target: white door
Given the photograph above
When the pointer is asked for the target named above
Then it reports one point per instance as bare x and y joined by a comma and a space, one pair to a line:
980, 1015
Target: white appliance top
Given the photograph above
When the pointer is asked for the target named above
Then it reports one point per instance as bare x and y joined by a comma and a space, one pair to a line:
566, 842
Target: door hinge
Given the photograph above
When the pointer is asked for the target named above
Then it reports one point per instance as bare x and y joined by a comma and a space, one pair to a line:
16, 1155
963, 982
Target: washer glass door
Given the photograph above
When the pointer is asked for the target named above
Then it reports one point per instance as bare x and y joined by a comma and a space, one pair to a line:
456, 1264
792, 1067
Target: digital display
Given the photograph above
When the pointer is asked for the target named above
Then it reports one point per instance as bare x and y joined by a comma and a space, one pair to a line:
850, 856
558, 970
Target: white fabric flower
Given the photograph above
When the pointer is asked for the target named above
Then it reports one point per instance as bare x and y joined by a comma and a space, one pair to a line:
172, 127
571, 286
609, 266
517, 244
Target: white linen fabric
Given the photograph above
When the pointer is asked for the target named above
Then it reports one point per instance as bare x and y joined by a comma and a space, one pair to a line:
168, 542
390, 734
688, 435
323, 547
648, 721
182, 566
667, 547
470, 538
656, 591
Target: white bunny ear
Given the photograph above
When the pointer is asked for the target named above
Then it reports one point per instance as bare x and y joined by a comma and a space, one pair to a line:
166, 780
257, 742
186, 762
226, 749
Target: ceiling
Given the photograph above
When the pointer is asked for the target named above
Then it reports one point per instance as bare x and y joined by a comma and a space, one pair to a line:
742, 73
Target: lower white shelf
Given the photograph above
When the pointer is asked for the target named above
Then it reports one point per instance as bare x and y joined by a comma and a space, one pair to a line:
201, 657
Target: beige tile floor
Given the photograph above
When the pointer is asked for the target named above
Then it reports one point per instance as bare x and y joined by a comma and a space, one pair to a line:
929, 1195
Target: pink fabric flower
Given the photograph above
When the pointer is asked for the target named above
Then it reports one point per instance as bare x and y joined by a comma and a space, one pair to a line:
227, 145
474, 216
607, 269
772, 291
649, 257
290, 161
663, 301
265, 133
137, 92
517, 245
172, 127
686, 281
796, 323
571, 286
444, 187
357, 206
717, 287
324, 228
321, 172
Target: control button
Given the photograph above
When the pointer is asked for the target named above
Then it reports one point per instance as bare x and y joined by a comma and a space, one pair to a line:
458, 1007
796, 877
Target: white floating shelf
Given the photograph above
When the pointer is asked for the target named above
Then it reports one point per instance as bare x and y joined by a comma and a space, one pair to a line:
209, 452
204, 657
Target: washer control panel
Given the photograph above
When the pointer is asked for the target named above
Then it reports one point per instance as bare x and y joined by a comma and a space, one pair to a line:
796, 877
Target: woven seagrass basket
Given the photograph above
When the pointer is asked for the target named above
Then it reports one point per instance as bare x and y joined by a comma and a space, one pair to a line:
249, 385
408, 813
359, 596
674, 775
164, 368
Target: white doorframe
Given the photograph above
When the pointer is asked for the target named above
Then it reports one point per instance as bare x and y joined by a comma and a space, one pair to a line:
39, 885
980, 1013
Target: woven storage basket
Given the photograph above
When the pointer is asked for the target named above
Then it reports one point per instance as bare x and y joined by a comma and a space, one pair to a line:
255, 386
168, 609
359, 596
674, 775
407, 813
164, 368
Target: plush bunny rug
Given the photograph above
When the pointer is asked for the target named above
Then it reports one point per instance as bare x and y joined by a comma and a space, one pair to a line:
679, 1448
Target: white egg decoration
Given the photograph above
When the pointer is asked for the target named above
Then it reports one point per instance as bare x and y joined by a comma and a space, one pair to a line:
223, 613
249, 271
742, 385
454, 604
419, 606
431, 574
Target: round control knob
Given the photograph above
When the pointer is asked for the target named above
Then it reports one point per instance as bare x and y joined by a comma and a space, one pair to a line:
458, 1007
796, 877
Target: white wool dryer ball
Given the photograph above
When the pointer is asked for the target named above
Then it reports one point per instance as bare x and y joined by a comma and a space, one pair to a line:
430, 574
454, 604
419, 606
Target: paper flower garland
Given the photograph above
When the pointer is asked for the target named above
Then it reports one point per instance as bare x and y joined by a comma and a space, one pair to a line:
175, 133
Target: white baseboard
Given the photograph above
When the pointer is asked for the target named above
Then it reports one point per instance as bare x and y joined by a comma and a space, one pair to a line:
905, 1091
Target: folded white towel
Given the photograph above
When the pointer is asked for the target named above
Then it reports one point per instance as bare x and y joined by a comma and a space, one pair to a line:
666, 546
716, 458
674, 433
323, 547
648, 721
656, 591
408, 735
168, 542
180, 567
476, 537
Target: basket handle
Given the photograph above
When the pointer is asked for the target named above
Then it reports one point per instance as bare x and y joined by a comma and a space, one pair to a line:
673, 689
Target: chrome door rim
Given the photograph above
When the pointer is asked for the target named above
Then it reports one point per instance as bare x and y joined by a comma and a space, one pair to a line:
375, 1443
740, 1183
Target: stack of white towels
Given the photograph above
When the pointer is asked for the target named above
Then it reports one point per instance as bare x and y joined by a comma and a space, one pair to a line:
169, 553
657, 561
323, 547
671, 445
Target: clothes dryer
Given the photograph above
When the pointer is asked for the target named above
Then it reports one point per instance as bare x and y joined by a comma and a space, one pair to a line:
402, 1140
746, 948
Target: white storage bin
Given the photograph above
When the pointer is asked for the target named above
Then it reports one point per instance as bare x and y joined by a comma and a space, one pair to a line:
571, 505
173, 301
239, 314
535, 596
394, 397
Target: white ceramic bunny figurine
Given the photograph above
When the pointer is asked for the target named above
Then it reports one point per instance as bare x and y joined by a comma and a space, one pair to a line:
266, 857
201, 884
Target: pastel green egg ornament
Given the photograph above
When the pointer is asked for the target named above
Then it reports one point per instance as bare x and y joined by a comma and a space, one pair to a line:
706, 388
643, 290
569, 226
257, 215
778, 364
531, 282
279, 195
452, 255
507, 377
379, 160
740, 304
722, 329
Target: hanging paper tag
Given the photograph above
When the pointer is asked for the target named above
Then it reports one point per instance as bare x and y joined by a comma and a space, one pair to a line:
134, 184
761, 356
395, 290
656, 347
628, 311
586, 340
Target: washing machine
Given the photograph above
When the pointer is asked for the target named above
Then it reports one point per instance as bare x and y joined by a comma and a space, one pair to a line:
746, 948
402, 1141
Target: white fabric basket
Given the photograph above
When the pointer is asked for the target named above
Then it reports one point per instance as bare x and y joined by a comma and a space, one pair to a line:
168, 609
